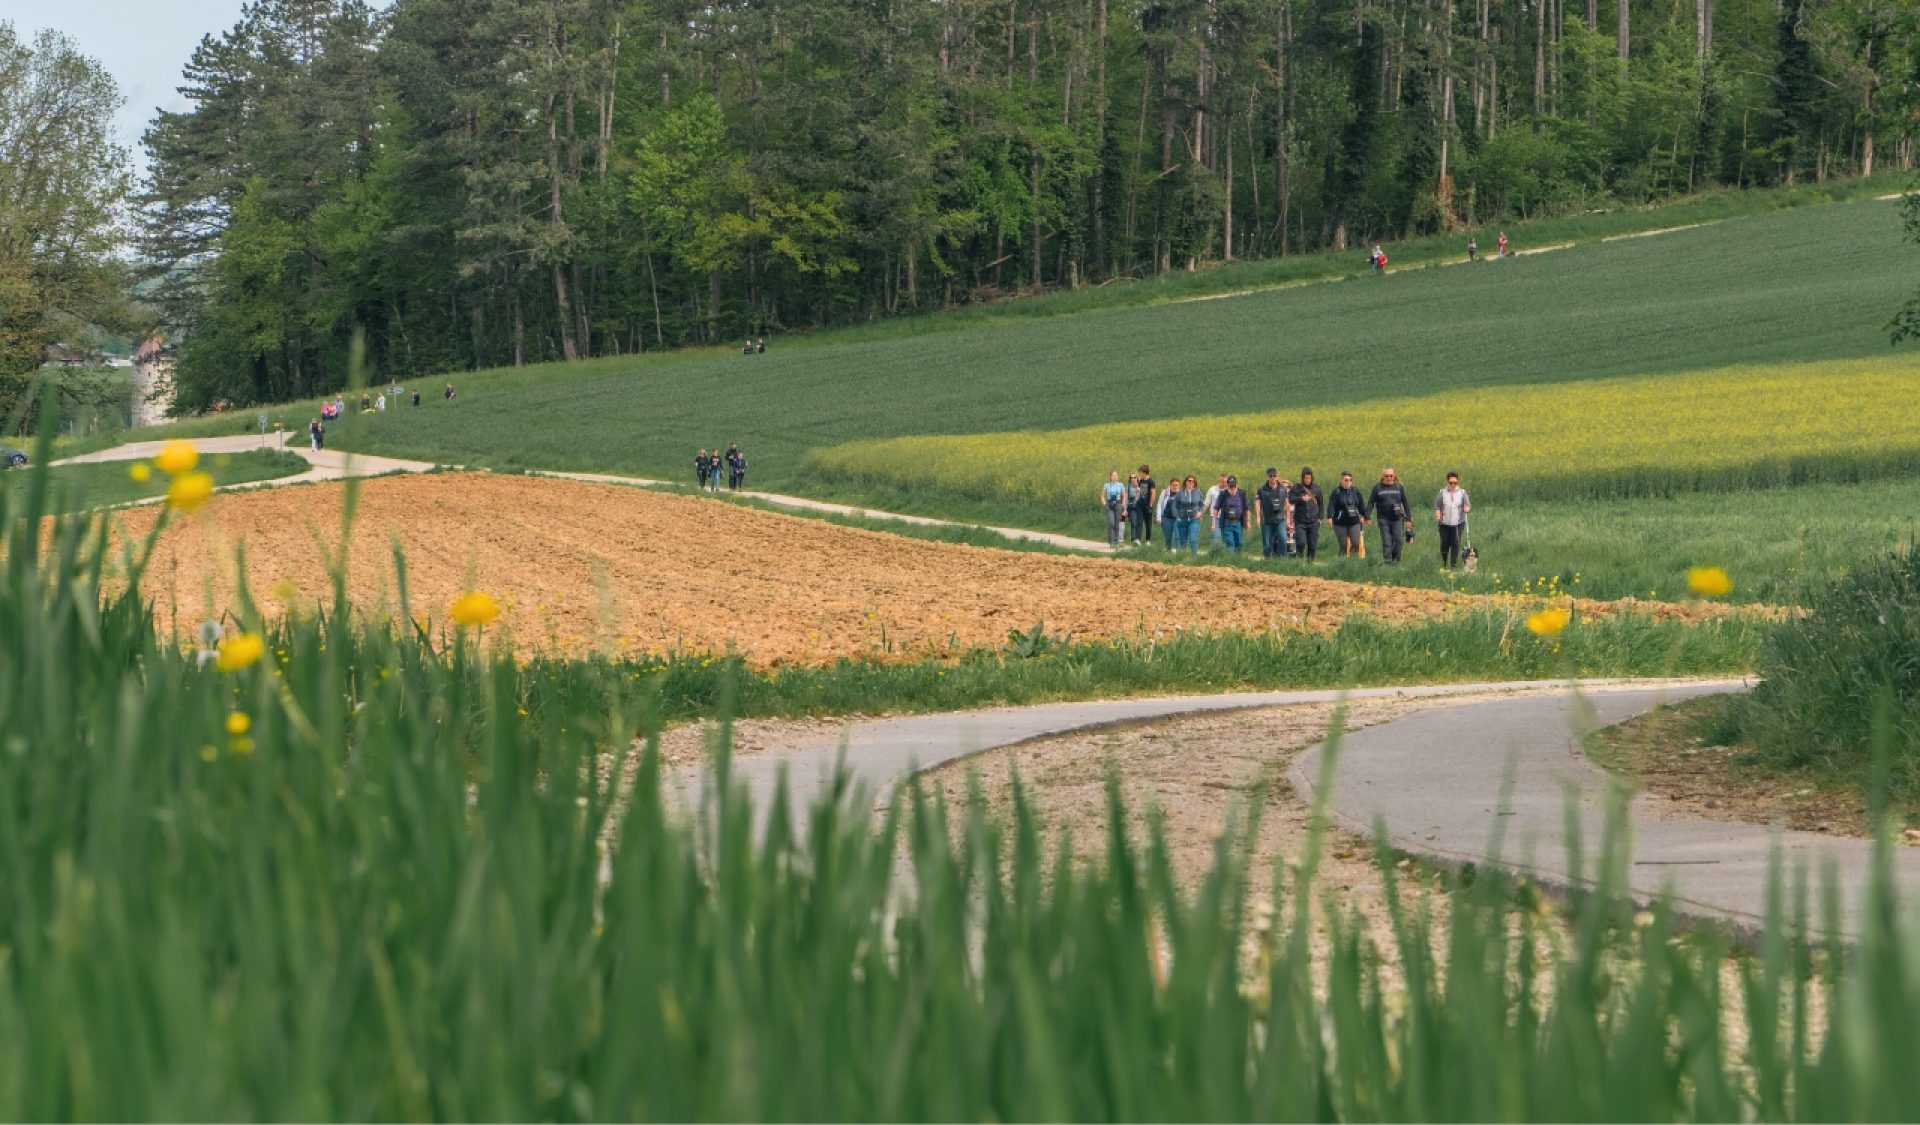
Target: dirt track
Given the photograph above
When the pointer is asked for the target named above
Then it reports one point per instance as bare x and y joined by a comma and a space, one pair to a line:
578, 566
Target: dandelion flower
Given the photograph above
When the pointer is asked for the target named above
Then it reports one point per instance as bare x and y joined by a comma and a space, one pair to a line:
139, 472
238, 723
474, 610
188, 492
242, 651
1709, 582
177, 457
242, 745
1548, 622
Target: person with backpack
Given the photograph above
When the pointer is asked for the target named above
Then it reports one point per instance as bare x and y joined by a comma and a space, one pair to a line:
1230, 514
1113, 498
1387, 505
1473, 255
1273, 512
317, 433
1450, 508
1347, 509
1136, 509
736, 467
1308, 503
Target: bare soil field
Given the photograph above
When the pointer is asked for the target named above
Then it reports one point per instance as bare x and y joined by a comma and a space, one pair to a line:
579, 567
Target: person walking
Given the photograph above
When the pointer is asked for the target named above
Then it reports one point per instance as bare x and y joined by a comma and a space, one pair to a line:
701, 465
1308, 503
1212, 513
1152, 498
736, 467
1187, 507
1136, 512
1113, 497
1167, 514
1231, 511
449, 392
1273, 512
1348, 511
1450, 508
1503, 244
317, 433
1473, 255
1387, 505
416, 396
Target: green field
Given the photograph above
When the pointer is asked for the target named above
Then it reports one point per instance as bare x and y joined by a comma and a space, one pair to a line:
103, 484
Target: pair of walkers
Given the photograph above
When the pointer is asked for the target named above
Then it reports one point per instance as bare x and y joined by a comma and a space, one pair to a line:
1141, 498
1389, 506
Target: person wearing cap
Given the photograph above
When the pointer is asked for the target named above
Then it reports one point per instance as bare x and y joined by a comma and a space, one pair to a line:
1273, 511
1348, 510
1308, 503
1230, 515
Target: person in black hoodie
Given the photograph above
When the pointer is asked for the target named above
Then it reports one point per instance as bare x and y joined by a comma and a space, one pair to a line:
1347, 508
1387, 505
1308, 503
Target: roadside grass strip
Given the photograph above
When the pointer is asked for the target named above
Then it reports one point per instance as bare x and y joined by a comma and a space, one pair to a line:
1732, 428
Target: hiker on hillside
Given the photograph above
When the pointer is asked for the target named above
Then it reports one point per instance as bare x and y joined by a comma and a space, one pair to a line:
1503, 244
1113, 499
1387, 505
1273, 512
748, 349
701, 466
1232, 510
1212, 513
1378, 259
736, 467
416, 396
760, 346
1473, 249
1347, 509
317, 433
1185, 507
1308, 503
1150, 497
449, 392
1450, 508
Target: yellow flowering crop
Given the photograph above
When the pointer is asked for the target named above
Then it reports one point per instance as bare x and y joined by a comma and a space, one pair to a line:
1548, 622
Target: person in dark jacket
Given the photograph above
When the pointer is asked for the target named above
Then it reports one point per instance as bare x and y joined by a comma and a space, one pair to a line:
1347, 508
1231, 509
1308, 503
1273, 510
1151, 490
702, 465
1387, 506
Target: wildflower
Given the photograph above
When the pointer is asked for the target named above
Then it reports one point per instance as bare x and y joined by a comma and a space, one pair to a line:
474, 610
139, 472
242, 651
238, 723
1548, 622
188, 492
242, 746
208, 753
1709, 582
177, 457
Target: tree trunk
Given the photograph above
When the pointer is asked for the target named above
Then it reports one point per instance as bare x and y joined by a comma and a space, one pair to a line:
1623, 35
1097, 206
1540, 58
1227, 242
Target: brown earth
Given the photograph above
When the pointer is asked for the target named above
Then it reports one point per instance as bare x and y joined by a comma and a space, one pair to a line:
580, 566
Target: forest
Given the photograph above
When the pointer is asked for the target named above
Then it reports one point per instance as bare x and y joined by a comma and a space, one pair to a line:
474, 183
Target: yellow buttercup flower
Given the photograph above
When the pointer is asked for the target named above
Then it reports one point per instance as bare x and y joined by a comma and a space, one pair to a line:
474, 610
238, 723
177, 457
139, 472
188, 492
242, 651
1548, 622
1709, 582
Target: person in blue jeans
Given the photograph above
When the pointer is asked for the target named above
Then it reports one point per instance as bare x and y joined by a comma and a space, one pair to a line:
1230, 511
1113, 497
1273, 511
1183, 515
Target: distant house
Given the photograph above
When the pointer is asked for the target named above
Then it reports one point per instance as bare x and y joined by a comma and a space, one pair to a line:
152, 382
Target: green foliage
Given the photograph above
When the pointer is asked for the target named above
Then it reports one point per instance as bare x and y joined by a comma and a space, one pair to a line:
1844, 678
420, 880
73, 488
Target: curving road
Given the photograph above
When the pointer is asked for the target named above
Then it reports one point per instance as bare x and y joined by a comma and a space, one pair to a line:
1433, 781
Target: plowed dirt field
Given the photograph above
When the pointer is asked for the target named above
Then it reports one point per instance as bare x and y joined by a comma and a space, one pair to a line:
579, 567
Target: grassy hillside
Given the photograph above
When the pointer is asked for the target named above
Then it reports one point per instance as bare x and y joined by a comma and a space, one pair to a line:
1801, 285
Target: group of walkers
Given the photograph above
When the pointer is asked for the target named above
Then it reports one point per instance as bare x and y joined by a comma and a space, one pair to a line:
707, 466
1285, 515
369, 404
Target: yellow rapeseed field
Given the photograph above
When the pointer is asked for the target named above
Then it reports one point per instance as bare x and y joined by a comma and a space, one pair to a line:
1720, 429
